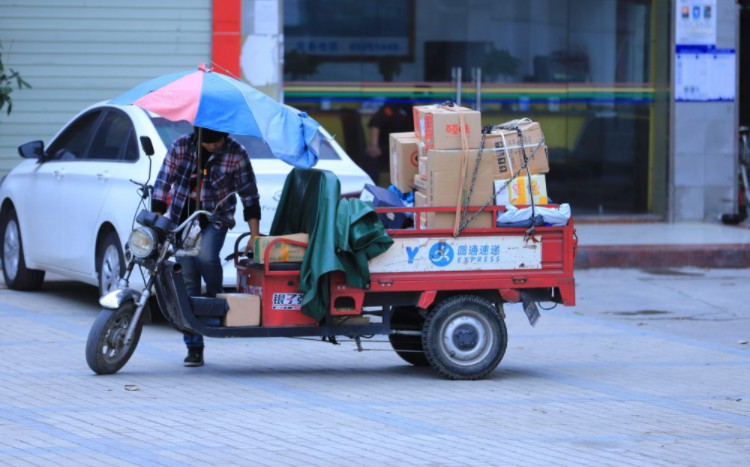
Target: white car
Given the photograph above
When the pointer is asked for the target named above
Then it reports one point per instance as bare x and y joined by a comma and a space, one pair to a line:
69, 208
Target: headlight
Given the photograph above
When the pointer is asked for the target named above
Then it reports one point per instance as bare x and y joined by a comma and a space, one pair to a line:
142, 242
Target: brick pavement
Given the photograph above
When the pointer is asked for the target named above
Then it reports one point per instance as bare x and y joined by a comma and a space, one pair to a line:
582, 388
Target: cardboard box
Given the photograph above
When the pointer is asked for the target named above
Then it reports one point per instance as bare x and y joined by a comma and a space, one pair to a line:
383, 197
281, 252
404, 154
509, 148
420, 200
244, 309
443, 170
422, 167
420, 182
517, 191
438, 127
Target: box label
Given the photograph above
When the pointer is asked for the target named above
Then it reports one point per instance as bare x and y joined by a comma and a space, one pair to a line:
459, 254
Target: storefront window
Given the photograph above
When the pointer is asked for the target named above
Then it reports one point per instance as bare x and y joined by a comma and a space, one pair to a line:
592, 72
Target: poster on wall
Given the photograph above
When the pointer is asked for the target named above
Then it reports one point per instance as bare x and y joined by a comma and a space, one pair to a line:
705, 75
695, 23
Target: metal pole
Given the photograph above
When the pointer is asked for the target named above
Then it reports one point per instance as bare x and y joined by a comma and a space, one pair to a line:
477, 72
457, 76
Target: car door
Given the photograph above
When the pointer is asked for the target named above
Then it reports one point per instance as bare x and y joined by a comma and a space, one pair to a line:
113, 149
46, 212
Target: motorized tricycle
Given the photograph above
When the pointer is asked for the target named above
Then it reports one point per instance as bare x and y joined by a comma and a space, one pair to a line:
438, 297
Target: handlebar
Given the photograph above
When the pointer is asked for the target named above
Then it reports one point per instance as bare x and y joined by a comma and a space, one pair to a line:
191, 218
144, 189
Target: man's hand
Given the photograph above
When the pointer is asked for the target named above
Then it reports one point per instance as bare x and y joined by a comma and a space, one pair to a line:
251, 243
254, 225
374, 151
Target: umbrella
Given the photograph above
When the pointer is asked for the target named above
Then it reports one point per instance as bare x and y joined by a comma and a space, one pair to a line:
213, 100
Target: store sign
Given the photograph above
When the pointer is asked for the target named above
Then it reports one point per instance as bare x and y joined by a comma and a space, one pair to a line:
350, 46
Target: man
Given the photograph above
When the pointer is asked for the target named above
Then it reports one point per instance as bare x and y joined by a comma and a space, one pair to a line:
224, 168
391, 117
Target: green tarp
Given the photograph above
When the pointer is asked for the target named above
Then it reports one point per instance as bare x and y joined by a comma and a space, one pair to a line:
344, 234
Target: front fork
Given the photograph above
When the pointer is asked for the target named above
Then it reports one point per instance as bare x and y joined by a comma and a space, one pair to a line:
123, 294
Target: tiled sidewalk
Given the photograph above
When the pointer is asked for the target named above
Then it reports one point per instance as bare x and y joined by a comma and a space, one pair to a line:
581, 388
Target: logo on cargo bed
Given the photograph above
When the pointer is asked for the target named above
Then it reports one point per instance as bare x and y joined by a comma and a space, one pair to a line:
441, 254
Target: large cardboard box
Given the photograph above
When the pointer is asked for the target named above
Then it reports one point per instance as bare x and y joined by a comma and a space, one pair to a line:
517, 191
443, 170
404, 156
284, 252
509, 147
438, 127
244, 309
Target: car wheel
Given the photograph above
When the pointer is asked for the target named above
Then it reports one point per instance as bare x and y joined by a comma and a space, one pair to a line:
464, 337
110, 263
17, 276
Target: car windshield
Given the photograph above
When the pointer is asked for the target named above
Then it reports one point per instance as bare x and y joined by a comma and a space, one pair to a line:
169, 131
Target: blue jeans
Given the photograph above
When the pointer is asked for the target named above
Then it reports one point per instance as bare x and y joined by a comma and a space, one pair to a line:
206, 265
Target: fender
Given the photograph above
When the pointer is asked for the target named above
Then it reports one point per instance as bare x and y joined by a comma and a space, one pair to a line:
116, 298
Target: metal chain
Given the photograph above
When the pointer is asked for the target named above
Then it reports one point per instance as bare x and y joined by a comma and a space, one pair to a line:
526, 160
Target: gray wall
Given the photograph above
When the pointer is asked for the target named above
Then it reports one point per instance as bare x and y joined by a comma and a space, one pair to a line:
75, 53
704, 143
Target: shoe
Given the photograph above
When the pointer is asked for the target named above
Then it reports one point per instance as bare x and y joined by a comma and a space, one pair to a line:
194, 357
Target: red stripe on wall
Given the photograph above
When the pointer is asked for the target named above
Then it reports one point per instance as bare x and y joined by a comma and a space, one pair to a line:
226, 39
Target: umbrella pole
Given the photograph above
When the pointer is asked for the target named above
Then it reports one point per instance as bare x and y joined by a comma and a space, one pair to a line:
199, 185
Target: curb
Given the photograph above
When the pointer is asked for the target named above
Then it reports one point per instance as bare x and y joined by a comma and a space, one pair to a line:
652, 256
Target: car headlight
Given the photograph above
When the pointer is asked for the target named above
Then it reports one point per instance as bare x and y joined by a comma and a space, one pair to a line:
142, 242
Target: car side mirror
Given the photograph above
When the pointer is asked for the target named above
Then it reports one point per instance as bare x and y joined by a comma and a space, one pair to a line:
147, 145
32, 150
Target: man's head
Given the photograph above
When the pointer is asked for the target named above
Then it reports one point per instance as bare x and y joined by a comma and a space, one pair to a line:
211, 140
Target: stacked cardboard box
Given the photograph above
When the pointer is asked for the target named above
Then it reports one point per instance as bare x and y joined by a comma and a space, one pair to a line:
404, 159
430, 161
440, 131
514, 142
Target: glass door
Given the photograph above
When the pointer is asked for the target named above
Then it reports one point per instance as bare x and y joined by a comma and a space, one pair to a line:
593, 73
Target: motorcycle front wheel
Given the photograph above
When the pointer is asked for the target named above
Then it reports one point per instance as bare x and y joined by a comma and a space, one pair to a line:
106, 351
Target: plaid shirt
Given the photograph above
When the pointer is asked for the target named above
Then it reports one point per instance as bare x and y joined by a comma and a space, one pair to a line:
228, 169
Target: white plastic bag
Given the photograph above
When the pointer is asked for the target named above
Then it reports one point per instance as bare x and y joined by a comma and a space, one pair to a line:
552, 216
191, 240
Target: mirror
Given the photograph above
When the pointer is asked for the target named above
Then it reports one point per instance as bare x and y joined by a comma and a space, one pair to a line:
147, 145
32, 150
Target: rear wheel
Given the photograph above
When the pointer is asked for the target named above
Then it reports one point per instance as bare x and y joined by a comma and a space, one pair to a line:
110, 263
106, 350
408, 347
17, 276
464, 337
